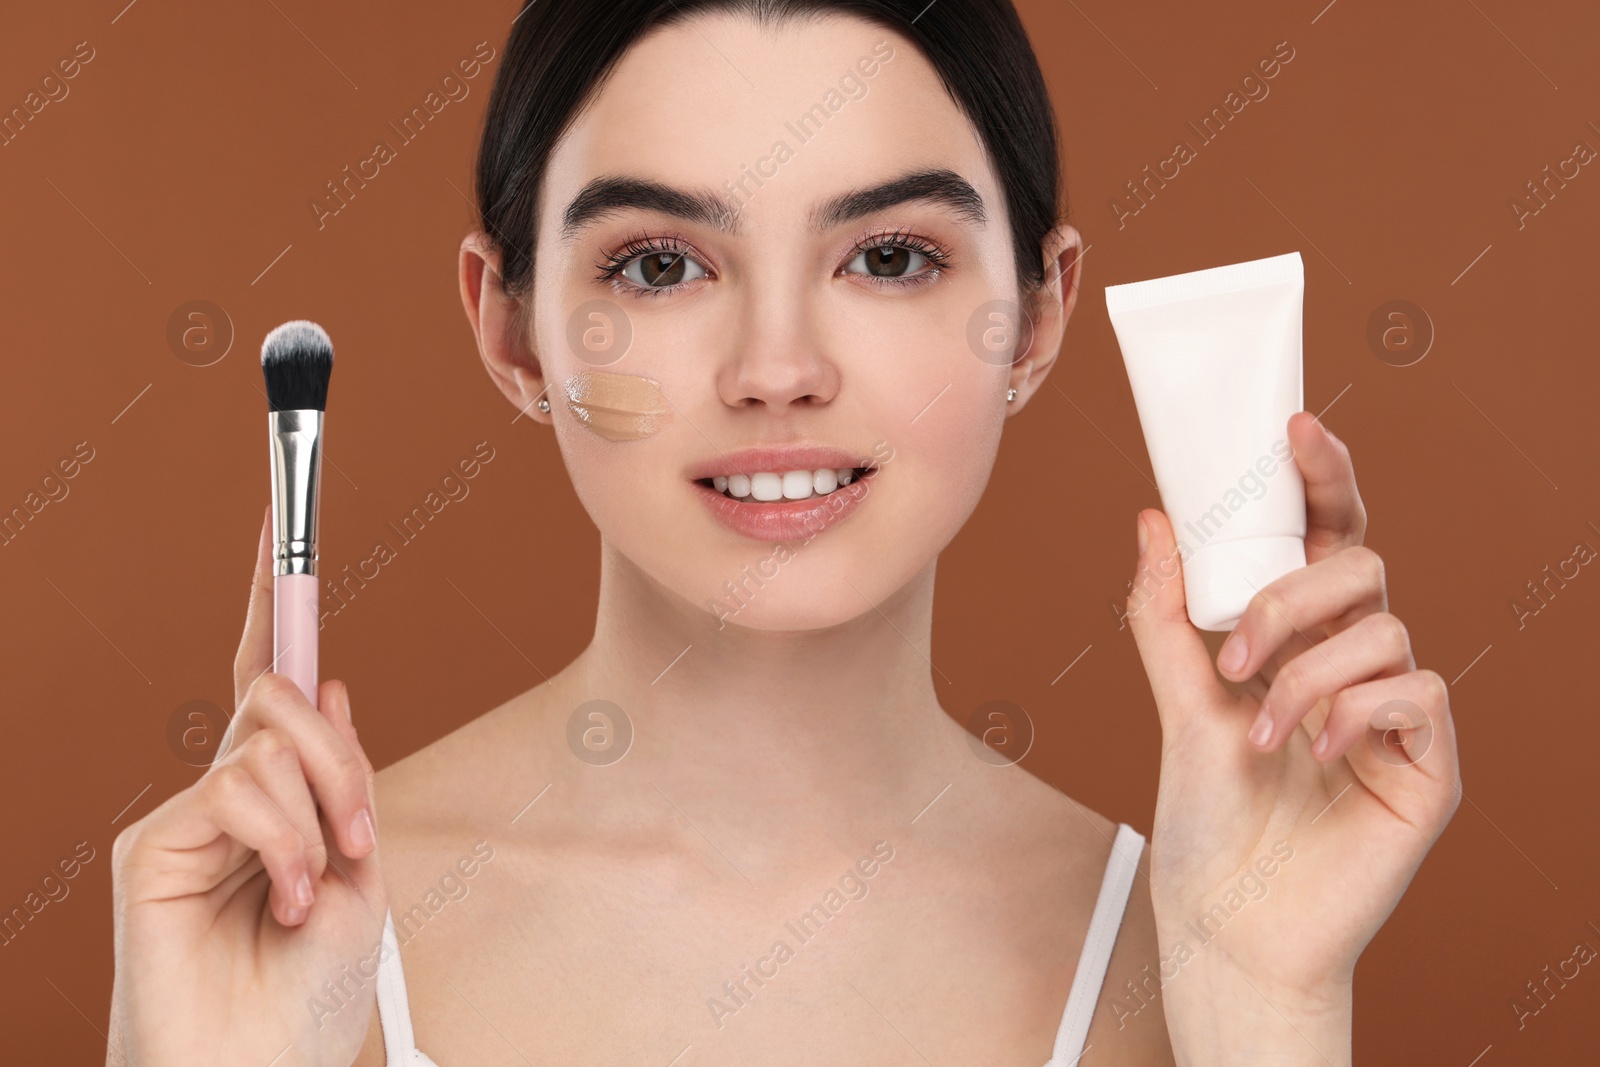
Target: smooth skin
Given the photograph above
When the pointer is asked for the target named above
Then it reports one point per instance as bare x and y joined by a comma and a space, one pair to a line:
776, 750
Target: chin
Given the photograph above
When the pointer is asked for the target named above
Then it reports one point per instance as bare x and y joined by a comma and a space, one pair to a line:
796, 586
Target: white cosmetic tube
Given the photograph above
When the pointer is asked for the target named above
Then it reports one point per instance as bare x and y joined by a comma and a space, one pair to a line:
1214, 360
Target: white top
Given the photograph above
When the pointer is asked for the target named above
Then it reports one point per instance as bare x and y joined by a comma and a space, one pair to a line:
399, 1041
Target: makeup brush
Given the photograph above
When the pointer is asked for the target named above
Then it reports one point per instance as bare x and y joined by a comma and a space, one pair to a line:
297, 359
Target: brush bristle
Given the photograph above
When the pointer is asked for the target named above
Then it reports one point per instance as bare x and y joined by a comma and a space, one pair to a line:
297, 359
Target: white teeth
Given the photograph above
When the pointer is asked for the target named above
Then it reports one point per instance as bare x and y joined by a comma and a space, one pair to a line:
767, 486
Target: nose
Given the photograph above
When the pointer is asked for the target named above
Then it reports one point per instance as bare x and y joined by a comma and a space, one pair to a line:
778, 359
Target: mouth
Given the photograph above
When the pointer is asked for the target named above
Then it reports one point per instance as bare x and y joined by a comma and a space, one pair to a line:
788, 493
779, 487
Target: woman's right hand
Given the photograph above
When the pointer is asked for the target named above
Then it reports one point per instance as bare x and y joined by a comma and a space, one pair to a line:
248, 922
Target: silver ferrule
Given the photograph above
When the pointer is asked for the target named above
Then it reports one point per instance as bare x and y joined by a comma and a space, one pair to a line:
295, 440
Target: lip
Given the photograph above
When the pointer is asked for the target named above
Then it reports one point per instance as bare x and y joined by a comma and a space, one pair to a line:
789, 520
778, 460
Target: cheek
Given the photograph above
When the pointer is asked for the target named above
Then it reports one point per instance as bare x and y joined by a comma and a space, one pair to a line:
623, 485
946, 454
938, 406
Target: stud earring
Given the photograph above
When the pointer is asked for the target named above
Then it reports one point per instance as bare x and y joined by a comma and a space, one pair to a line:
543, 405
1011, 394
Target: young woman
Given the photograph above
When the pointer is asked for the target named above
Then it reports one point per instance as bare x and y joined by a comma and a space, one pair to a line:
778, 219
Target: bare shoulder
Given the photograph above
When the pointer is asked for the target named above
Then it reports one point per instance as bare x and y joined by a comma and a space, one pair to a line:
470, 781
442, 812
1128, 1028
440, 771
454, 805
1057, 832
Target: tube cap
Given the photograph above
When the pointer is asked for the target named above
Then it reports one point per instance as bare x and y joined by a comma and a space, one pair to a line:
1219, 579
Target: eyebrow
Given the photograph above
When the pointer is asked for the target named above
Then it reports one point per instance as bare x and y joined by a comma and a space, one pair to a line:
608, 195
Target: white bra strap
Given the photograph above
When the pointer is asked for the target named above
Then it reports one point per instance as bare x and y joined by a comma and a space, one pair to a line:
1097, 945
394, 1010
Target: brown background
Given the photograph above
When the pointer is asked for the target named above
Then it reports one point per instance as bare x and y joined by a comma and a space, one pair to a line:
181, 167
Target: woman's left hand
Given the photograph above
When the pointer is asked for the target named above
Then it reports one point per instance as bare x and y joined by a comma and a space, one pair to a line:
1291, 816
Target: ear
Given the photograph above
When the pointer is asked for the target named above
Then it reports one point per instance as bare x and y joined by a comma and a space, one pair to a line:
498, 325
1049, 307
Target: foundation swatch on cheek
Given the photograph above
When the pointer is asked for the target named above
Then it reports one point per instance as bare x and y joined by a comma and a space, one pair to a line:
618, 407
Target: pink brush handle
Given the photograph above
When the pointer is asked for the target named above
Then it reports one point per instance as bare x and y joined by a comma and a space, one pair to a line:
294, 630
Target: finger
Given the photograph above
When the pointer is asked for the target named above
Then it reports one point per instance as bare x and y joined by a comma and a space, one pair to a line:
228, 805
1400, 740
336, 771
1334, 590
1396, 710
1173, 653
333, 703
273, 761
255, 647
1376, 646
1335, 516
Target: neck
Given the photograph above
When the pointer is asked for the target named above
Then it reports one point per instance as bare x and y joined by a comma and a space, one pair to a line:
790, 728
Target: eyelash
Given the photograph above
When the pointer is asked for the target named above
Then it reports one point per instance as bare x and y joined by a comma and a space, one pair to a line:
642, 245
611, 268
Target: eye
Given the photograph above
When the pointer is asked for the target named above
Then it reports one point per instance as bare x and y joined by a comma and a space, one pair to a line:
898, 259
659, 270
650, 267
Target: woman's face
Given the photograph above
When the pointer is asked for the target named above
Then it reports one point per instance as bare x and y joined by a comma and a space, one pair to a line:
754, 279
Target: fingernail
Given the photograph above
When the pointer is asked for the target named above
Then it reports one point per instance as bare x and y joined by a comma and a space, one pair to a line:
293, 916
1144, 534
361, 832
1319, 747
1261, 732
345, 690
302, 891
1234, 653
